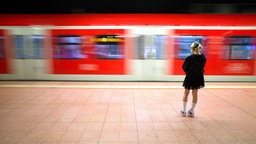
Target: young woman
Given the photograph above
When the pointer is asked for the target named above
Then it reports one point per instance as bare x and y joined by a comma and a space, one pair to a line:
193, 66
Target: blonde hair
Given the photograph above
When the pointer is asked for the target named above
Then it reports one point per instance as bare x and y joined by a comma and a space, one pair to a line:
196, 46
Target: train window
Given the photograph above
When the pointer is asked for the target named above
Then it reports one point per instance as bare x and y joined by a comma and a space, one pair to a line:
28, 47
19, 42
2, 52
183, 44
239, 48
68, 47
108, 47
150, 47
37, 46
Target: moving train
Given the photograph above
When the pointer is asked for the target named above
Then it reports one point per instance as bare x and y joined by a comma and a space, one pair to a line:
125, 47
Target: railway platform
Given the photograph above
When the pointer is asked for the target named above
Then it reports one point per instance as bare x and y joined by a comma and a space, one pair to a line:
60, 112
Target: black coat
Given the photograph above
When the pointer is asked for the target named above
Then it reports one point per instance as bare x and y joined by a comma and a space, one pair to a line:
193, 66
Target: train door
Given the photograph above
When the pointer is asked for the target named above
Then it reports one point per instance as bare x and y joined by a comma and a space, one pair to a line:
150, 53
28, 52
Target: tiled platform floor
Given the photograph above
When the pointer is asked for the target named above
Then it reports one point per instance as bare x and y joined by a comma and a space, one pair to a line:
75, 113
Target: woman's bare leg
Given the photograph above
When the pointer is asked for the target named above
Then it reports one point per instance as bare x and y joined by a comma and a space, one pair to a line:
185, 99
194, 94
185, 95
194, 100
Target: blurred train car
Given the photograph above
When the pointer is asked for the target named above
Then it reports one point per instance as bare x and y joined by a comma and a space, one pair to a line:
125, 47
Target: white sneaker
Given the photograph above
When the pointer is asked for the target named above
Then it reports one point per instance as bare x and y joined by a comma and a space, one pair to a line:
190, 113
182, 113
